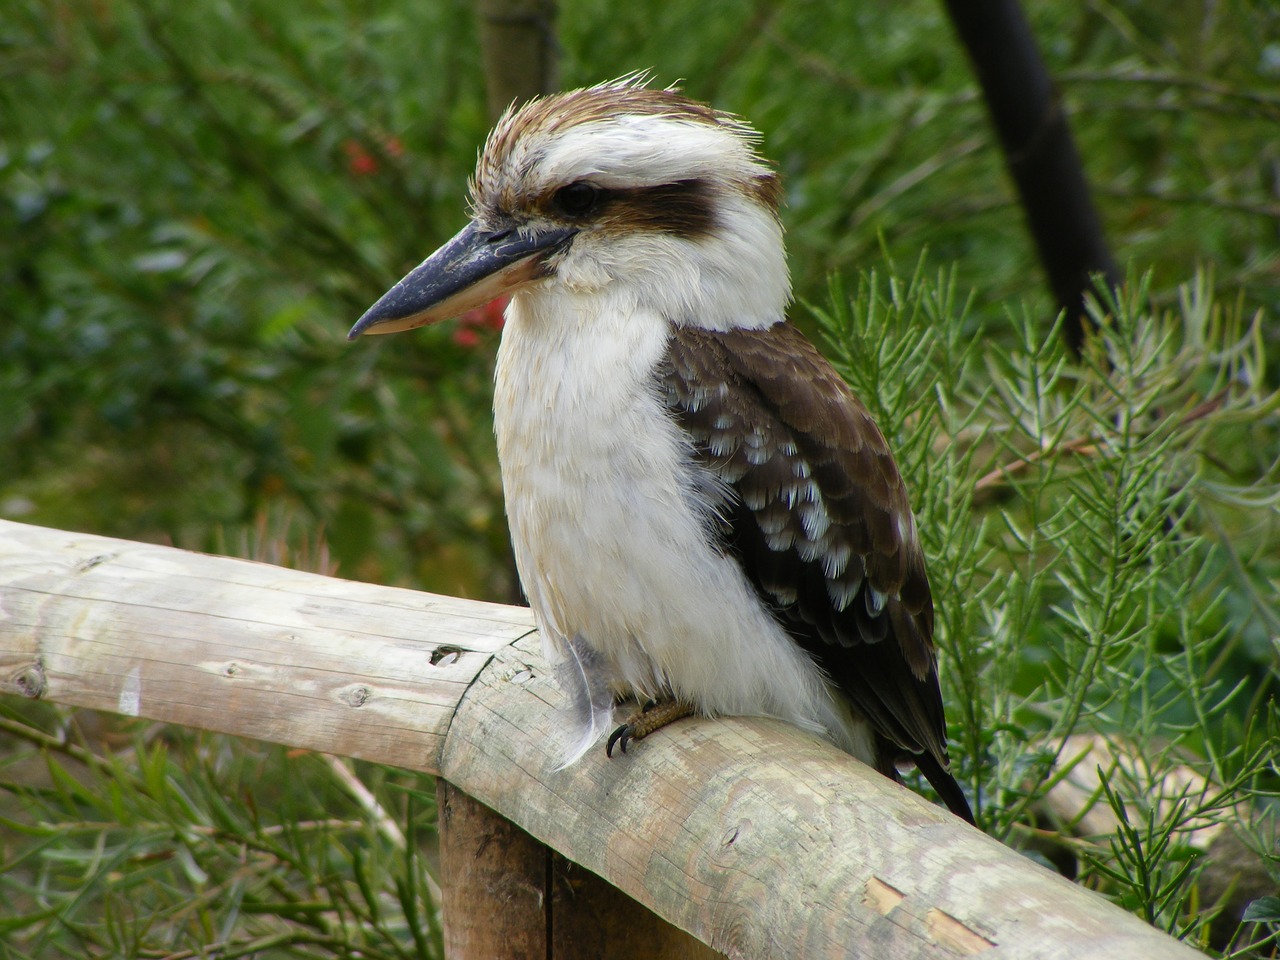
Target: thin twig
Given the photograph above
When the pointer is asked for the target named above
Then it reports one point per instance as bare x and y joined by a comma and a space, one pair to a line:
386, 825
1002, 476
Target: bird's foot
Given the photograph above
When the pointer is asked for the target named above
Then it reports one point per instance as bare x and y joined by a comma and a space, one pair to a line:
652, 716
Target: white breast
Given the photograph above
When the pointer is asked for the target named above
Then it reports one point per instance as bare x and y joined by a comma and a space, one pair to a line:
606, 525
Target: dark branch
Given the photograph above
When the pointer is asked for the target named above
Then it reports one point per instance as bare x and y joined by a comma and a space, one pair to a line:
1039, 152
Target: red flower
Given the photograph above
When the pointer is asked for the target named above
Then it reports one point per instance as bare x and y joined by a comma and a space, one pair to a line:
473, 322
360, 162
466, 337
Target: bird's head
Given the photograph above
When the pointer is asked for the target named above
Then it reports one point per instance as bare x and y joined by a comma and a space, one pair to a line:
645, 196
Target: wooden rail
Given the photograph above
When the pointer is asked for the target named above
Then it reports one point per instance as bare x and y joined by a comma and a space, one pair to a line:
756, 838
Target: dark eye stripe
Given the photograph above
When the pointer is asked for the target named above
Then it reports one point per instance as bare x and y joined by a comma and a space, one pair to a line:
684, 208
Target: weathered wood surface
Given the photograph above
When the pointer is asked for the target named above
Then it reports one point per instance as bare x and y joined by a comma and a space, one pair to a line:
240, 647
760, 840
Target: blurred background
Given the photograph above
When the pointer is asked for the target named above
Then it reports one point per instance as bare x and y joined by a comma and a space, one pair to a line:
197, 200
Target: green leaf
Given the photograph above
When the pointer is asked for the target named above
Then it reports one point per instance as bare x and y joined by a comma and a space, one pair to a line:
1262, 910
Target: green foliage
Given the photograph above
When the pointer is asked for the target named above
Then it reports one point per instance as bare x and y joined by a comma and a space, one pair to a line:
196, 203
184, 844
1101, 537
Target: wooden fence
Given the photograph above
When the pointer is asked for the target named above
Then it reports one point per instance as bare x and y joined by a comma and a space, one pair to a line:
757, 839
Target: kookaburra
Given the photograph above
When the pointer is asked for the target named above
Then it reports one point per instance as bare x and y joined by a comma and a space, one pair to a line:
703, 515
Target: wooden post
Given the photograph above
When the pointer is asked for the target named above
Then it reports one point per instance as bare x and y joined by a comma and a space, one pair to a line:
509, 897
493, 877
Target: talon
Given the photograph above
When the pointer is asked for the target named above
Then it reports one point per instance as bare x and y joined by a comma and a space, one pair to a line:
623, 734
652, 716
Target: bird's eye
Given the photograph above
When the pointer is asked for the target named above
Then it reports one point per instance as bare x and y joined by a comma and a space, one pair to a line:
577, 199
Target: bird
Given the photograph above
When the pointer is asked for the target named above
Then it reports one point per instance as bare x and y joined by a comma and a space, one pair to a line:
704, 517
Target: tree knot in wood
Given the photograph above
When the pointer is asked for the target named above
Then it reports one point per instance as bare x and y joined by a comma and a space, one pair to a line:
444, 655
31, 681
357, 696
524, 673
84, 566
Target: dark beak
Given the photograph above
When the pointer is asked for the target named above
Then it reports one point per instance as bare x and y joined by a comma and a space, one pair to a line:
467, 272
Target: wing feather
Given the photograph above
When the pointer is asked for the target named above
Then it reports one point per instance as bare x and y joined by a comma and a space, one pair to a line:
819, 518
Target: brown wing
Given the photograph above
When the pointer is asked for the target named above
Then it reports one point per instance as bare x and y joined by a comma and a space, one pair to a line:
820, 523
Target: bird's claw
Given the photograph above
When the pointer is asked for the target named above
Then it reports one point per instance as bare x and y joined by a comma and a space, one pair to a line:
650, 717
620, 737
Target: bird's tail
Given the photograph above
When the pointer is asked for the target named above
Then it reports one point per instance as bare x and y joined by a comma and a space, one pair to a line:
944, 784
